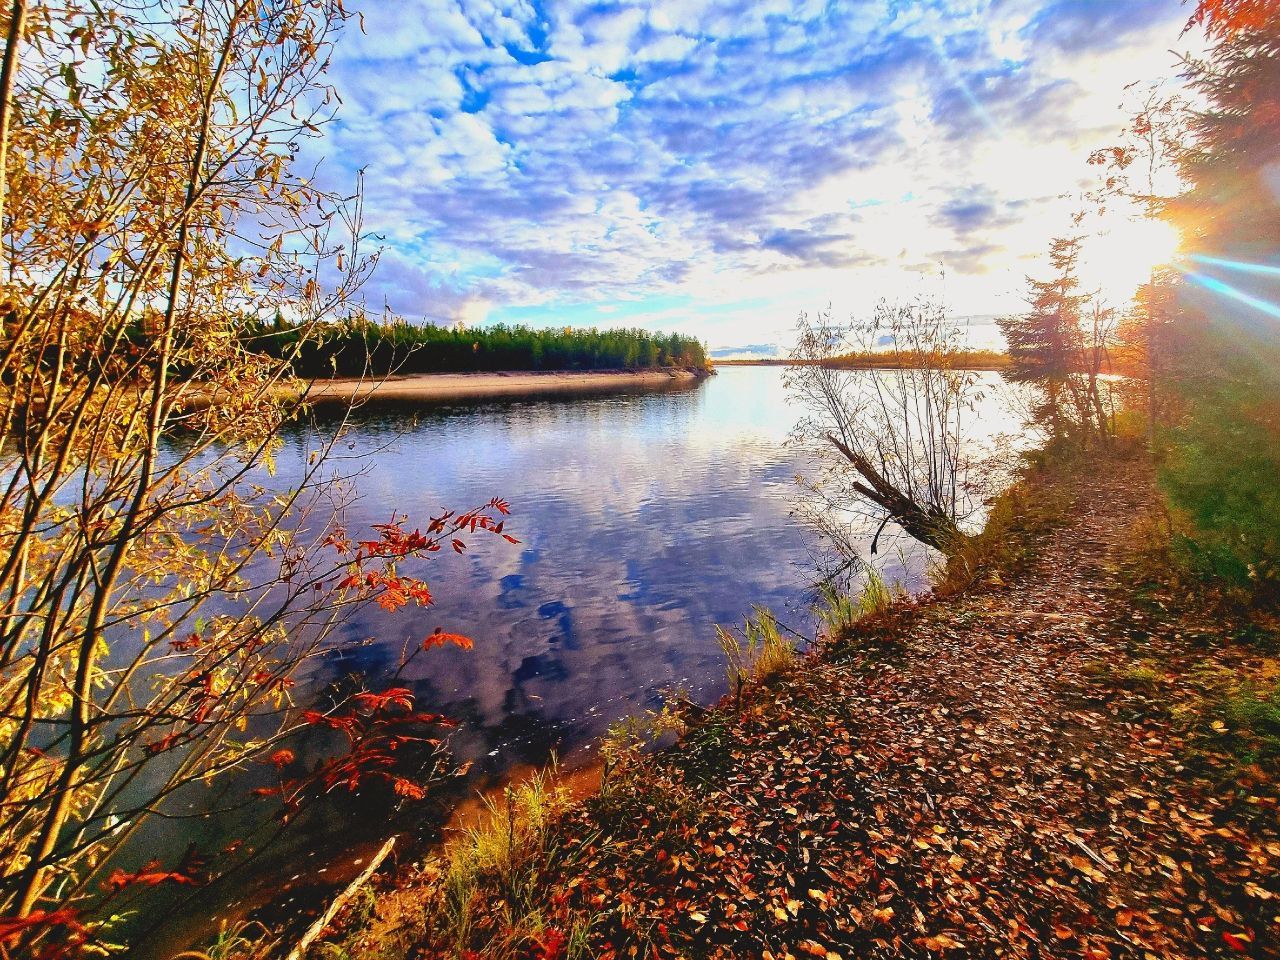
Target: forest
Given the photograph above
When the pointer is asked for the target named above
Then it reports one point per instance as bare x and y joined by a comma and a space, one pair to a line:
369, 349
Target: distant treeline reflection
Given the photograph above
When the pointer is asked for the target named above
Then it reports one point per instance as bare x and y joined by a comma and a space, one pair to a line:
357, 348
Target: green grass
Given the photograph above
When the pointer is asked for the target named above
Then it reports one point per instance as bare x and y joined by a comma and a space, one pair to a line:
1252, 716
505, 853
758, 655
840, 614
1144, 675
1220, 459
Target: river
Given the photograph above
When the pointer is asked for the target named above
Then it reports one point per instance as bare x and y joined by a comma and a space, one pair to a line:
645, 520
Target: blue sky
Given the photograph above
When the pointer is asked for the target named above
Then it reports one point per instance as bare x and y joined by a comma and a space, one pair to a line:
716, 166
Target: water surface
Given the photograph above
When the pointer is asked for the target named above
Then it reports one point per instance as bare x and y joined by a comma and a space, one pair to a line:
644, 521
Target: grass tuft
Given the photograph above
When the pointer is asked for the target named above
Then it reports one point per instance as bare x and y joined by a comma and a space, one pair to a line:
839, 614
758, 655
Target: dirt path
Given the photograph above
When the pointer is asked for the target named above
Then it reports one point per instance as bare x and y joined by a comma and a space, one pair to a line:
1002, 774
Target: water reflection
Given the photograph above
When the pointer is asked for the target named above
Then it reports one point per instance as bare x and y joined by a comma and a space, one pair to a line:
645, 521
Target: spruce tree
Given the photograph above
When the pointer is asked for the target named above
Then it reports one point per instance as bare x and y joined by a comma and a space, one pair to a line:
1044, 342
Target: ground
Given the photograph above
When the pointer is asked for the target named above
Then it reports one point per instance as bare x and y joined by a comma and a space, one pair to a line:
1030, 768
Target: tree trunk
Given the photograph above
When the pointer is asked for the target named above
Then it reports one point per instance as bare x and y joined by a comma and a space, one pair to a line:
929, 524
9, 65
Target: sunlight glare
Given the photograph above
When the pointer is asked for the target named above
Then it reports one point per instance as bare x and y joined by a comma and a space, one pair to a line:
1119, 259
1226, 290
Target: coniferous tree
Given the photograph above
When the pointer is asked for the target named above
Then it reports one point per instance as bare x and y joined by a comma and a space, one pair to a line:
1222, 459
1233, 205
1044, 342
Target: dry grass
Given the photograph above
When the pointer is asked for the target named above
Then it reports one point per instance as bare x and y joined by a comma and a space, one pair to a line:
759, 654
840, 614
1017, 520
495, 869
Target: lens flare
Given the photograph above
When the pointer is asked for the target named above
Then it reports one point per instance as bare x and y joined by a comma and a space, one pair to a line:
1242, 266
1240, 296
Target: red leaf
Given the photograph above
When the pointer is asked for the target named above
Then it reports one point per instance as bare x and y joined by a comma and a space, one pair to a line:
282, 758
1237, 942
161, 745
190, 643
439, 638
148, 876
11, 928
407, 788
395, 697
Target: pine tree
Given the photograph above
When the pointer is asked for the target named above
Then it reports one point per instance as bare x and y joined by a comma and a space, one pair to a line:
1044, 343
1233, 206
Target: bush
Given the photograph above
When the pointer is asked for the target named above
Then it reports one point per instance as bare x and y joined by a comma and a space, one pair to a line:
1221, 462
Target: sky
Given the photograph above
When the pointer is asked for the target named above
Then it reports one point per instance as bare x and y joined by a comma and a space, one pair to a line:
718, 166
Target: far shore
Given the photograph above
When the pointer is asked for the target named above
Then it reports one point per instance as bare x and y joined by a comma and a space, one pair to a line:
978, 360
442, 387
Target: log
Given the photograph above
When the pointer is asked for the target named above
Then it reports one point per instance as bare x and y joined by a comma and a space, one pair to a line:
930, 525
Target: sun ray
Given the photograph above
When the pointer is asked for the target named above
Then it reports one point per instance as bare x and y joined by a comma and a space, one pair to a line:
1244, 266
1214, 285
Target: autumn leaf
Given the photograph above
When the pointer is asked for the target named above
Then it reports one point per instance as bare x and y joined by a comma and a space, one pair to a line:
439, 637
281, 758
1237, 941
149, 876
66, 918
400, 697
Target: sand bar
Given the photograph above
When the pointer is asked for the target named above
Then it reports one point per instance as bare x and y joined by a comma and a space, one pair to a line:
442, 387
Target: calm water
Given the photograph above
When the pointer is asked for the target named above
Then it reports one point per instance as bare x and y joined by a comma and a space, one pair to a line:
645, 521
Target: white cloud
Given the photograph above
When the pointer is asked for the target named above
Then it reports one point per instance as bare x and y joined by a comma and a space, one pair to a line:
724, 152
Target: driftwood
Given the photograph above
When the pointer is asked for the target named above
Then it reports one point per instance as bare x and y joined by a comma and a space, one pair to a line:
340, 901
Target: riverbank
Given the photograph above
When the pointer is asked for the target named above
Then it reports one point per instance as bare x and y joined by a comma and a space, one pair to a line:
1062, 756
445, 387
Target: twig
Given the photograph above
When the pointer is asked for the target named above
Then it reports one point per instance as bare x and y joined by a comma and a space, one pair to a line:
1092, 856
794, 633
340, 901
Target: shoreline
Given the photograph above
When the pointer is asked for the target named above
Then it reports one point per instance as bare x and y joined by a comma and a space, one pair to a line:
938, 703
445, 387
967, 363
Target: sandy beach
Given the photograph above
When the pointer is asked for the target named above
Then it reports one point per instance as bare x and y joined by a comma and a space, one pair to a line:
441, 387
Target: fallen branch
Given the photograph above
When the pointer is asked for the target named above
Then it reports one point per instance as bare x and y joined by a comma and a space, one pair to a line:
340, 901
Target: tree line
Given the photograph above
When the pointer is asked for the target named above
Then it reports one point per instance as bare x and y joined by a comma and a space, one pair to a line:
363, 347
